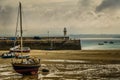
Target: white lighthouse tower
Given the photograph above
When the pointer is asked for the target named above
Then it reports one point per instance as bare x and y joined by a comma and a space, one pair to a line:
65, 32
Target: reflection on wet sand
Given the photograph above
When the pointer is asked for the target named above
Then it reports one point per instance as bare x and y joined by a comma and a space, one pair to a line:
32, 77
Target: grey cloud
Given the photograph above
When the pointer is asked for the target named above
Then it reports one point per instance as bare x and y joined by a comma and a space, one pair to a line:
108, 4
5, 15
54, 16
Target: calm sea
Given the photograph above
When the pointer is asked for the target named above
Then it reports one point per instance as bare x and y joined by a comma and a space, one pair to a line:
98, 42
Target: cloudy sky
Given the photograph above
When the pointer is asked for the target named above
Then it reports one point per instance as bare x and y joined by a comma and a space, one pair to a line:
78, 16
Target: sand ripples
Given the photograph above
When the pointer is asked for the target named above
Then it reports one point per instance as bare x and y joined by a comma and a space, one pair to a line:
66, 72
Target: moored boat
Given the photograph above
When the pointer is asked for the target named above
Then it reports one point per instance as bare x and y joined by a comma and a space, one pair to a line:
27, 66
100, 44
111, 42
17, 49
26, 69
8, 55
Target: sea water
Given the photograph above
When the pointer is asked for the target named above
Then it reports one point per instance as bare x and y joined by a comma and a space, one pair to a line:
102, 44
98, 42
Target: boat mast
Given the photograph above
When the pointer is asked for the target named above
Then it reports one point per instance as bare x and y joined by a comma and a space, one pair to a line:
16, 35
21, 32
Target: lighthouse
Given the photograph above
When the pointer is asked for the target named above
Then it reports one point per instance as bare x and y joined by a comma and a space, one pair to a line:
65, 32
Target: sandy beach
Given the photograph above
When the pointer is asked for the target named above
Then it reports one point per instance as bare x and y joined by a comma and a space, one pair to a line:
77, 54
91, 55
108, 56
69, 65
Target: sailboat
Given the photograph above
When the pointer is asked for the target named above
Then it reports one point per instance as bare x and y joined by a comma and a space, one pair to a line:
16, 47
27, 66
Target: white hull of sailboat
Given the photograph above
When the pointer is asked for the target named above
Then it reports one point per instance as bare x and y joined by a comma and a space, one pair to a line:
24, 49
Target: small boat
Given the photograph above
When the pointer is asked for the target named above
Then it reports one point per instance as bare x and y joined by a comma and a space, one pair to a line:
17, 49
8, 55
26, 69
105, 42
27, 66
100, 44
111, 42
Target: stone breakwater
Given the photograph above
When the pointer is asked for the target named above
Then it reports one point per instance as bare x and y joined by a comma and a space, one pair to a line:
43, 44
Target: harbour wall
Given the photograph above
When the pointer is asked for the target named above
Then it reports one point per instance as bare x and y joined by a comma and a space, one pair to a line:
44, 44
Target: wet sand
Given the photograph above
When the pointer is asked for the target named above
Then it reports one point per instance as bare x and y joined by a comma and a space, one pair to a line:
69, 65
76, 54
111, 56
